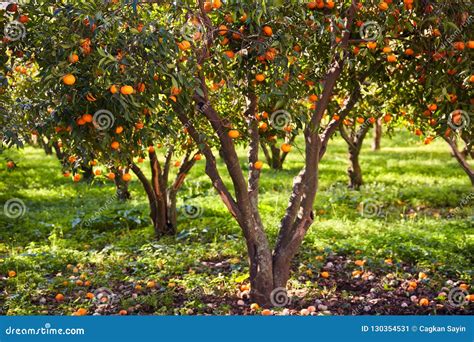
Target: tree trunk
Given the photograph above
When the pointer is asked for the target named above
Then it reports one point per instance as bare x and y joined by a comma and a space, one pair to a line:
172, 216
276, 158
377, 135
121, 187
354, 171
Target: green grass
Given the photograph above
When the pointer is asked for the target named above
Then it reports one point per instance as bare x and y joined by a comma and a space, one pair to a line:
412, 186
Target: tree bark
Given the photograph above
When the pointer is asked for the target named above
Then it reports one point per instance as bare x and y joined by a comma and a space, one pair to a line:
377, 135
354, 171
121, 187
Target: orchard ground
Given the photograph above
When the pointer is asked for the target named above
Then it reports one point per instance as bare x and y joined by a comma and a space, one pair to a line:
385, 248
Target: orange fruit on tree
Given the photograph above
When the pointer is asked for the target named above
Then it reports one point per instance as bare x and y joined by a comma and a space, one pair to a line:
286, 148
459, 46
335, 117
383, 6
409, 52
260, 77
11, 274
360, 120
119, 129
197, 157
230, 54
330, 4
67, 174
151, 149
267, 30
141, 87
90, 295
115, 145
223, 30
234, 134
87, 117
97, 172
313, 98
126, 90
387, 118
207, 6
127, 177
59, 297
471, 79
184, 45
372, 120
73, 58
372, 45
69, 79
113, 89
387, 49
470, 44
391, 58
23, 18
111, 175
77, 178
151, 284
258, 165
311, 5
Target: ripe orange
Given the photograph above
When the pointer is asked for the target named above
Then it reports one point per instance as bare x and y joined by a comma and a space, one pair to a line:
330, 4
111, 176
126, 90
387, 49
372, 45
87, 118
123, 313
311, 5
313, 98
260, 77
59, 297
207, 6
73, 58
409, 52
335, 117
197, 157
266, 312
418, 132
387, 118
69, 79
11, 274
67, 174
325, 275
151, 284
286, 148
258, 165
234, 134
230, 54
422, 275
470, 44
424, 302
97, 172
119, 129
90, 295
459, 46
223, 30
115, 145
23, 19
267, 30
383, 6
151, 149
127, 177
184, 45
372, 120
263, 126
113, 89
77, 178
141, 87
10, 164
391, 58
471, 79
433, 107
360, 120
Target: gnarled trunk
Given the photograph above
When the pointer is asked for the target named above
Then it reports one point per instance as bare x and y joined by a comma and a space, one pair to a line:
377, 135
354, 171
460, 158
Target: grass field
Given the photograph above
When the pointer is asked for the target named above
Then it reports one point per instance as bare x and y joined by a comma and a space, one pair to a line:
398, 224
